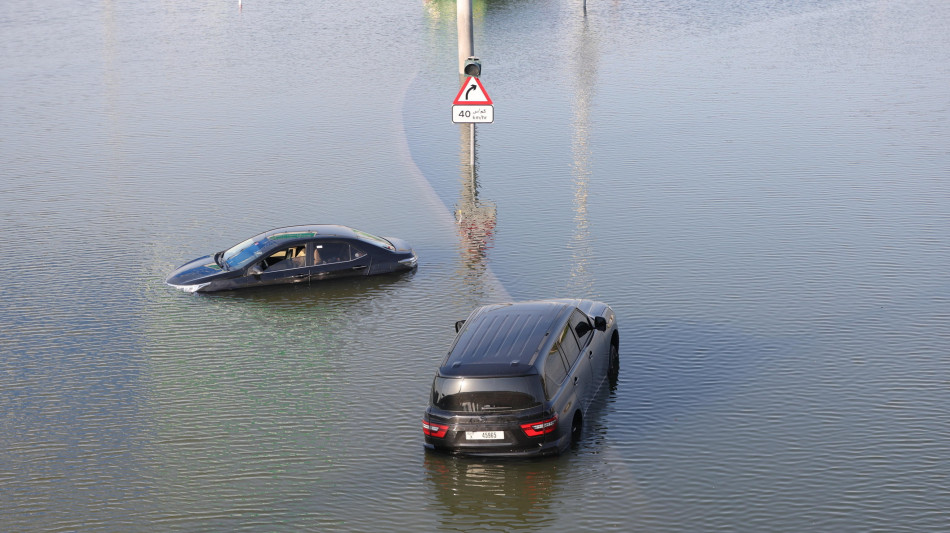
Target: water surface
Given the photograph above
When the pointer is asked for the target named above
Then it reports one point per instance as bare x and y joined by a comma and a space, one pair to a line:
758, 189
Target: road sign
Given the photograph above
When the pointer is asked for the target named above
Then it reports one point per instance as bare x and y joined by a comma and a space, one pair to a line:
472, 93
472, 104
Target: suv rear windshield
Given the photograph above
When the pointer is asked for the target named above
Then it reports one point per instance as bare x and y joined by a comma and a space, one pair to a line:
487, 395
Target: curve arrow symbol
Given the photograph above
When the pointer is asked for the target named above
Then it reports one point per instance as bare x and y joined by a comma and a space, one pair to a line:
470, 89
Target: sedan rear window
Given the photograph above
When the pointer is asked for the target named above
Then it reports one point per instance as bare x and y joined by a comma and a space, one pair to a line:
487, 395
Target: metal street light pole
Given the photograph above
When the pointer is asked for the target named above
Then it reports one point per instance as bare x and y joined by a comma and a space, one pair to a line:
466, 37
466, 51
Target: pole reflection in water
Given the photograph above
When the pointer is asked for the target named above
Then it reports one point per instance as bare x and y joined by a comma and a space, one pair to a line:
475, 218
584, 70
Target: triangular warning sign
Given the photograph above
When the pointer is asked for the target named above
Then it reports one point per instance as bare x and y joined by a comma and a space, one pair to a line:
472, 93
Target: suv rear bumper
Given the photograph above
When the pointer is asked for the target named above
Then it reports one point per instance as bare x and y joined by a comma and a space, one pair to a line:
547, 448
515, 443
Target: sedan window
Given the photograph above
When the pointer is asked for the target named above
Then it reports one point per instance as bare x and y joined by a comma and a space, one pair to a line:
293, 257
335, 252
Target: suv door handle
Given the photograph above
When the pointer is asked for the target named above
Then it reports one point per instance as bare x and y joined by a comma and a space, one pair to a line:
575, 380
590, 354
359, 267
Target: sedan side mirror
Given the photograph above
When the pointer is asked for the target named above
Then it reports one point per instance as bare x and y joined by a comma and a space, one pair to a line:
458, 325
600, 323
255, 270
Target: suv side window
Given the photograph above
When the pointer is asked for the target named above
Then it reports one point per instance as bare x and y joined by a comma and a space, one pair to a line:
569, 345
581, 326
554, 371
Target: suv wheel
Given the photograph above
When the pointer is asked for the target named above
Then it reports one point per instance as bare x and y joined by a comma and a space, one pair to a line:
613, 364
577, 426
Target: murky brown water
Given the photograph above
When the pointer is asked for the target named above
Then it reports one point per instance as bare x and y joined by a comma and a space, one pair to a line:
759, 189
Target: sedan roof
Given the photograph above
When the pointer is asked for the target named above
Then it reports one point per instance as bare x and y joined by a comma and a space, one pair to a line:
334, 230
321, 231
505, 339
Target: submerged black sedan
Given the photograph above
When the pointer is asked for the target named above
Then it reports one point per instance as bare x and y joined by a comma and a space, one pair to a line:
292, 255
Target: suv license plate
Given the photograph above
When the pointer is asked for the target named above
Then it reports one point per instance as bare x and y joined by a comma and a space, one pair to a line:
484, 435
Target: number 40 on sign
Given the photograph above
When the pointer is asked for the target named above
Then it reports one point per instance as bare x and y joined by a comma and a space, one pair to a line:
473, 113
472, 104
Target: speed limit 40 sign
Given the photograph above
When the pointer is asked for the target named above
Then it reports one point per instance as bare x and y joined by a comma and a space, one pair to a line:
472, 104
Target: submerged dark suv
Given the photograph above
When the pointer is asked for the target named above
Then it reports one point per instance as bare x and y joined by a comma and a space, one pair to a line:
520, 377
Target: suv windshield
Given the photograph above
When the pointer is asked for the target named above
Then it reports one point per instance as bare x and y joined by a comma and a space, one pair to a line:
481, 395
241, 254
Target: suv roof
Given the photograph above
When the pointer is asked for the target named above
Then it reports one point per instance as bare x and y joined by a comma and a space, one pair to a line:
504, 339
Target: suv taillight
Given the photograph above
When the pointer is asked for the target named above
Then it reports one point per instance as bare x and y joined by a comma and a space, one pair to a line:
434, 430
536, 429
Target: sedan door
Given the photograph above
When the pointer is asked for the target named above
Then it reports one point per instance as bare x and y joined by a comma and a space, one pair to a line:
287, 265
338, 259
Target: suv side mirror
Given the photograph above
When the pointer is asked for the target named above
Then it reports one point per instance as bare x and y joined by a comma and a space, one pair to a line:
600, 323
458, 325
255, 270
582, 329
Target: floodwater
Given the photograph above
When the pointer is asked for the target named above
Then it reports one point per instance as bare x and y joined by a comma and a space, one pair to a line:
760, 189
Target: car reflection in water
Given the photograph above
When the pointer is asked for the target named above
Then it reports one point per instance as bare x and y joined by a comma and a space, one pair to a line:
472, 493
292, 255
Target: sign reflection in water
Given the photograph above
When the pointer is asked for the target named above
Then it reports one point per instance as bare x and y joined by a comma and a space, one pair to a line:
583, 62
476, 218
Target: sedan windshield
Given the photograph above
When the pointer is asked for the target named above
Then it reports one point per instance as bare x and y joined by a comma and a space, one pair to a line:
240, 255
480, 395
